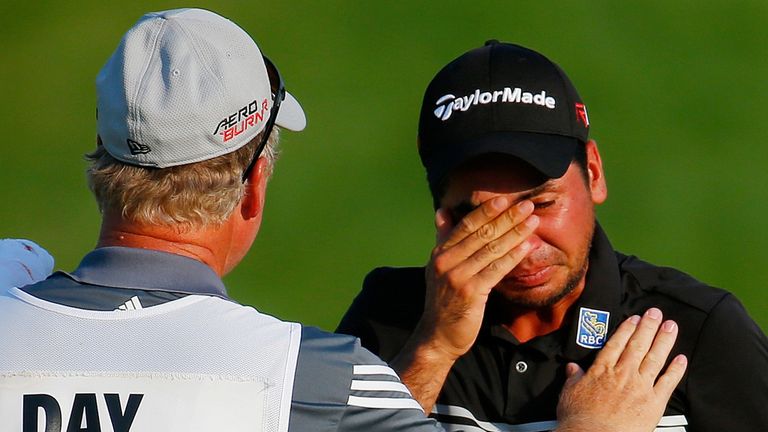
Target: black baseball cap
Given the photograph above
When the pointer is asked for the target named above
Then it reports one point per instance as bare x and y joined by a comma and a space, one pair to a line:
501, 98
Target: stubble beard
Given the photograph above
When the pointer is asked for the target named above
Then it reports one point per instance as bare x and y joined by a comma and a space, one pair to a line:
573, 281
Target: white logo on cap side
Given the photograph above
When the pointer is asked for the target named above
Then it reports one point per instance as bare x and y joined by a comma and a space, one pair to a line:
444, 111
449, 103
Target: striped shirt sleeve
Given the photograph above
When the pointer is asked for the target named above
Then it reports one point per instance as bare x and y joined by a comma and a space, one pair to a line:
378, 386
341, 386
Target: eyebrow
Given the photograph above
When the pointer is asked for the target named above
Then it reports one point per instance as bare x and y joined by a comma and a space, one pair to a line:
545, 187
465, 207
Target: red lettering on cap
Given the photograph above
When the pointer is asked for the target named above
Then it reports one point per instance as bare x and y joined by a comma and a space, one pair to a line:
234, 128
581, 114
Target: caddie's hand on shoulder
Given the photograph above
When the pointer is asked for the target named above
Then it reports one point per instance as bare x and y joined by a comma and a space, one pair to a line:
620, 392
472, 256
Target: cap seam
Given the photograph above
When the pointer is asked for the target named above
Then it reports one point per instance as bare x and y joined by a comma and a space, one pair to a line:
571, 107
494, 107
136, 129
192, 43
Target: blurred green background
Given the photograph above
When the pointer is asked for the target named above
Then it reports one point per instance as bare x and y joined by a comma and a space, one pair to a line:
676, 92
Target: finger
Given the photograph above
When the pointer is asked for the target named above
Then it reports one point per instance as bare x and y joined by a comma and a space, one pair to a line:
641, 340
654, 361
611, 352
573, 374
495, 271
492, 240
501, 248
443, 225
486, 223
671, 378
478, 217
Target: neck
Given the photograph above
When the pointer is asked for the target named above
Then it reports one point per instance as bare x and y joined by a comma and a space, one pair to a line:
202, 244
526, 323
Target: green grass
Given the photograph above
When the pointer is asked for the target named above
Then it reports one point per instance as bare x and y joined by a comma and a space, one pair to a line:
676, 94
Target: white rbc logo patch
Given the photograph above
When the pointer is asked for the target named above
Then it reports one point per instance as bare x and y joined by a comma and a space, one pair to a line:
593, 328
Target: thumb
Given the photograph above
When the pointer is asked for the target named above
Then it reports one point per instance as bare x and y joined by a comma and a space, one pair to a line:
573, 373
568, 396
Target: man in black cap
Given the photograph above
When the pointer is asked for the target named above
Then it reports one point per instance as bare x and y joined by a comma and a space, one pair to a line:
523, 280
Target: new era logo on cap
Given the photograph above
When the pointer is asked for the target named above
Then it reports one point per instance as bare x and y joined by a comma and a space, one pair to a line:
137, 148
500, 98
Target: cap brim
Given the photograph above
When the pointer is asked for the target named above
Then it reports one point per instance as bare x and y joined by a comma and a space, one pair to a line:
549, 154
291, 116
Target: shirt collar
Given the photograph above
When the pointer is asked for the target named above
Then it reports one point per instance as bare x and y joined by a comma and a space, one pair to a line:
149, 270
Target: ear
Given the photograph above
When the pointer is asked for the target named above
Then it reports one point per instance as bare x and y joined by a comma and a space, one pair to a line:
255, 190
597, 185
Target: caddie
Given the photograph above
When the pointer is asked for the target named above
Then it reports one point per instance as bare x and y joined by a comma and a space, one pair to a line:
143, 336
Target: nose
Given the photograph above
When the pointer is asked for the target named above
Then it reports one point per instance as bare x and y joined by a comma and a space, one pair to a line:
535, 241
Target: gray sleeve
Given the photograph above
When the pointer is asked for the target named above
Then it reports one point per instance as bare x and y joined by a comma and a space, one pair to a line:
340, 386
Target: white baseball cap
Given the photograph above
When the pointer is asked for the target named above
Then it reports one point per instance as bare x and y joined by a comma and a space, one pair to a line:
183, 86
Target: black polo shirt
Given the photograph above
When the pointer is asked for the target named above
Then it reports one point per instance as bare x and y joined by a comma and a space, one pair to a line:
502, 384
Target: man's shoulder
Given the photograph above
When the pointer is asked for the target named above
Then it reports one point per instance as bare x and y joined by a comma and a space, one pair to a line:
723, 344
332, 359
393, 294
339, 382
387, 308
395, 281
318, 342
668, 284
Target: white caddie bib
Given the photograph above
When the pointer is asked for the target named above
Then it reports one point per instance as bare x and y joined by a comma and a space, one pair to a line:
130, 402
190, 365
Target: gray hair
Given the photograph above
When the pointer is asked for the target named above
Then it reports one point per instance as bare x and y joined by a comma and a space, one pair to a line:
184, 197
